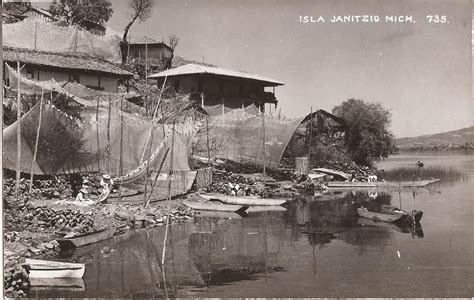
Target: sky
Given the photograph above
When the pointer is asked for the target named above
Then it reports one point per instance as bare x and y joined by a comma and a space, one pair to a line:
420, 71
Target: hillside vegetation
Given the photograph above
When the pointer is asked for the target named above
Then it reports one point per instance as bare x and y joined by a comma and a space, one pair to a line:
461, 139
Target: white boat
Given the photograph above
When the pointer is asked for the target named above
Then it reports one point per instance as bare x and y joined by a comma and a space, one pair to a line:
37, 268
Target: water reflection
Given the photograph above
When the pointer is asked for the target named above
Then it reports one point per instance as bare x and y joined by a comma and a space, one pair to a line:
334, 216
221, 249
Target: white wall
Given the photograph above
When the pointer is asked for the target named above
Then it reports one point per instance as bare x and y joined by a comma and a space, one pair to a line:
109, 84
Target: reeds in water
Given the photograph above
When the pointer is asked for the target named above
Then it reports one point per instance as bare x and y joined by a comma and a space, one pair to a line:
413, 173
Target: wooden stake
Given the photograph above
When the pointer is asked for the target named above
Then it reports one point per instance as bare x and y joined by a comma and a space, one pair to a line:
121, 150
18, 133
108, 137
146, 74
264, 154
98, 139
310, 133
36, 144
148, 164
156, 177
207, 137
169, 197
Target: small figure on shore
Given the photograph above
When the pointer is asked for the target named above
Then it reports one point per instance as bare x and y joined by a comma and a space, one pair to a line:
419, 164
353, 177
107, 184
83, 195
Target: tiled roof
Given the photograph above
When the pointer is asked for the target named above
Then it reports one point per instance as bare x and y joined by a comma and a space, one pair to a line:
62, 60
145, 40
190, 69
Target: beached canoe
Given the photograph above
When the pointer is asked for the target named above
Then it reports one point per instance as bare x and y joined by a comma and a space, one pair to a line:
57, 284
243, 200
335, 173
37, 268
220, 214
358, 184
259, 209
87, 238
214, 206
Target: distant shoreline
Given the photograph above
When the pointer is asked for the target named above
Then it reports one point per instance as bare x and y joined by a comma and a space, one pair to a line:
434, 149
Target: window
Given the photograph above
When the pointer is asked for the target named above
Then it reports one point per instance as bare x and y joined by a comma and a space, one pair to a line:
30, 71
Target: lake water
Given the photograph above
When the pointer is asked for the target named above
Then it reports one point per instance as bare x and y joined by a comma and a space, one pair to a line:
318, 247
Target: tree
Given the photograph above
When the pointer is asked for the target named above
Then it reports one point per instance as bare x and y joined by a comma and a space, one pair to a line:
78, 12
367, 137
173, 40
141, 10
16, 8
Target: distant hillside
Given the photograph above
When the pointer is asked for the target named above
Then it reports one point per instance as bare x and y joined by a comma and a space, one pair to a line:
451, 140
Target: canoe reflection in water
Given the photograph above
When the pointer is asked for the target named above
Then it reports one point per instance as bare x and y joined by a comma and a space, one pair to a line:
224, 252
415, 230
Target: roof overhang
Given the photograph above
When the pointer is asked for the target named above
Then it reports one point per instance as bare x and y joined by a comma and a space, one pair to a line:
193, 69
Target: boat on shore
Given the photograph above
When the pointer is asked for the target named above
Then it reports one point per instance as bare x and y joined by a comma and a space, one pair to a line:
221, 214
267, 208
86, 238
214, 206
57, 284
243, 200
37, 268
367, 184
390, 214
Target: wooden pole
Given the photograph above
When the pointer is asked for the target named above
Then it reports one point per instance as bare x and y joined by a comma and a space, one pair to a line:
98, 139
148, 164
263, 139
156, 177
169, 197
108, 136
36, 144
18, 132
146, 73
207, 138
154, 116
310, 133
121, 150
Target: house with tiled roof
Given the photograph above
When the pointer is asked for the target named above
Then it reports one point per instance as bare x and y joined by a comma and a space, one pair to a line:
41, 65
211, 85
139, 47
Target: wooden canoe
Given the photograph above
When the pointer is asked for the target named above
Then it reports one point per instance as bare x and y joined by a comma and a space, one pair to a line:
335, 173
385, 217
214, 206
258, 209
37, 268
219, 214
347, 184
86, 238
243, 200
57, 284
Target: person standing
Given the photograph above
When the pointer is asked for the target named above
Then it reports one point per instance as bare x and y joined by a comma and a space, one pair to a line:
107, 185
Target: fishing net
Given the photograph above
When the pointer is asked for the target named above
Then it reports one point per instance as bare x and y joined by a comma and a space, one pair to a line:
238, 135
39, 35
110, 136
